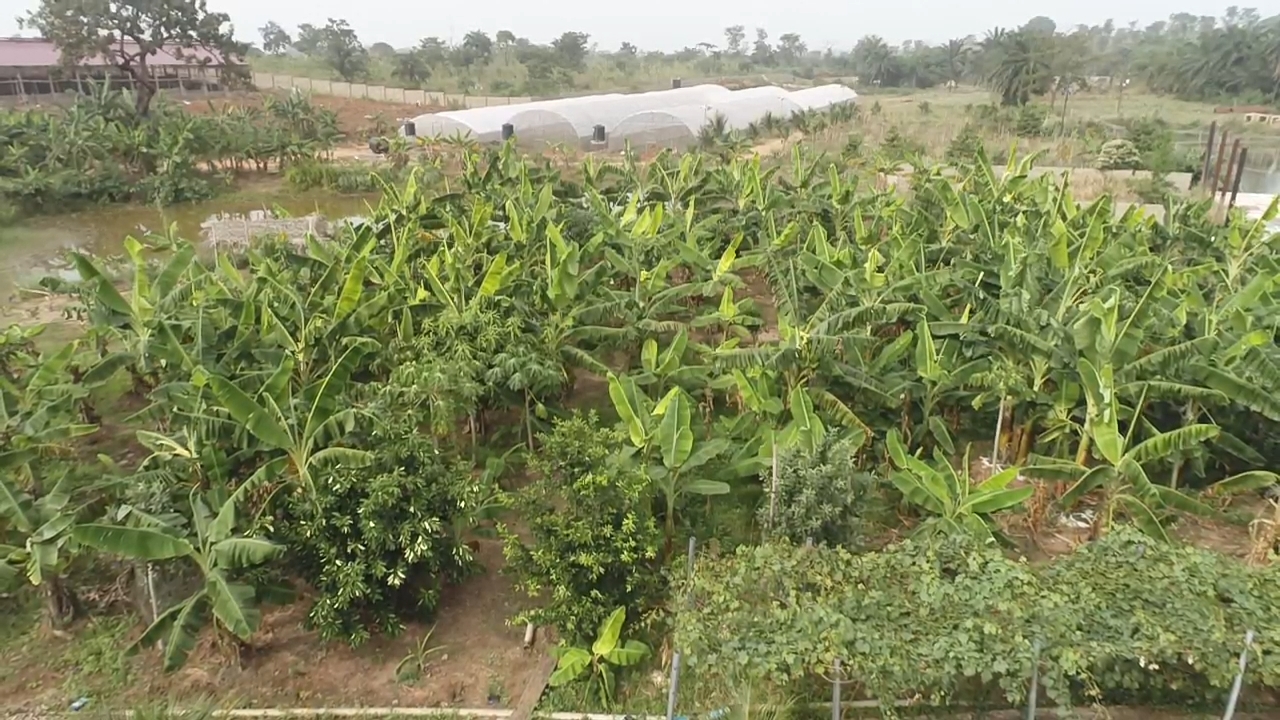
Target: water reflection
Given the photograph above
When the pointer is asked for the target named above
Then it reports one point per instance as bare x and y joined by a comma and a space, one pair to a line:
38, 248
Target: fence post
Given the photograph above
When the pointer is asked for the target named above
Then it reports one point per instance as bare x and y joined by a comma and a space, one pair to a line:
1033, 693
1235, 185
1239, 681
835, 690
1217, 163
675, 657
1208, 152
1231, 164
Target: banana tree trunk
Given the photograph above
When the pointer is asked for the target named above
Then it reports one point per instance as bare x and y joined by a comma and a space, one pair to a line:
1025, 442
60, 602
1082, 453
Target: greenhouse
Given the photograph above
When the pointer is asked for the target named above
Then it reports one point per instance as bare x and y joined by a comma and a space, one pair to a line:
678, 127
823, 96
567, 120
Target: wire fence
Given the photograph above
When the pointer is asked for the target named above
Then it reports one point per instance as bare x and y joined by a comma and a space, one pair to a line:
334, 88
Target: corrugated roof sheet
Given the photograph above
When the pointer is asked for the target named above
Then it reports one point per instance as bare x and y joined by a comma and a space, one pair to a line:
38, 52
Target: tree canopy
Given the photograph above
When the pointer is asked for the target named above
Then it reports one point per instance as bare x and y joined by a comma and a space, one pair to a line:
128, 33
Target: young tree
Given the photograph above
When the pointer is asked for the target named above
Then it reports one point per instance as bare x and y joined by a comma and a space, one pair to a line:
128, 33
274, 38
382, 50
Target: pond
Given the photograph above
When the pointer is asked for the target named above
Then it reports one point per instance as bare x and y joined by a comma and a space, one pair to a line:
36, 247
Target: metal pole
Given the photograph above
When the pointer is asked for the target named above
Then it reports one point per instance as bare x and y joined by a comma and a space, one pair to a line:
1235, 186
1231, 163
835, 691
1239, 681
1035, 681
675, 658
1208, 152
1212, 185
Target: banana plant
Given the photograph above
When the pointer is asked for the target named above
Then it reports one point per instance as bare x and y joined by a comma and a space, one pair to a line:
606, 653
663, 432
298, 427
151, 300
39, 522
1122, 476
208, 542
956, 503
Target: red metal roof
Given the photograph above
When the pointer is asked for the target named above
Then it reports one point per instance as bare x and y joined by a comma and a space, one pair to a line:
38, 52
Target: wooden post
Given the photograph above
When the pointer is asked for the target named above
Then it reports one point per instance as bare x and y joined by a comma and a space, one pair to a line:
1208, 152
22, 90
1231, 163
1217, 164
1235, 185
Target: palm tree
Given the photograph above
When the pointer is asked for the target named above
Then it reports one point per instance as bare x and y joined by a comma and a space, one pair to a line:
1019, 64
872, 56
957, 53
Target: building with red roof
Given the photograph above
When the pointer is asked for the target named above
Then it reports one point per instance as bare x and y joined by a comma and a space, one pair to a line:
33, 67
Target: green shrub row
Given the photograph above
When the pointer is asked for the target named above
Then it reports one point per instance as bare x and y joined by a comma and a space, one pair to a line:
1124, 619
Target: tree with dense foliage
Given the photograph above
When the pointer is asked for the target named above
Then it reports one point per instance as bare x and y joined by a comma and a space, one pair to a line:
274, 38
128, 35
340, 48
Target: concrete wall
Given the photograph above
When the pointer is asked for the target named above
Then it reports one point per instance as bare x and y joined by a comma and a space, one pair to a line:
269, 81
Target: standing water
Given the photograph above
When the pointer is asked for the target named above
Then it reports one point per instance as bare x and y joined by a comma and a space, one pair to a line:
37, 247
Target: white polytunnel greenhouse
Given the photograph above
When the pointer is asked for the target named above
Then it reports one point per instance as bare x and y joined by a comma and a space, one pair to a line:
678, 127
663, 117
823, 96
566, 120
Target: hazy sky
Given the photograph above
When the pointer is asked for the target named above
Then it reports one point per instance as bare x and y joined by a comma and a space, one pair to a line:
672, 24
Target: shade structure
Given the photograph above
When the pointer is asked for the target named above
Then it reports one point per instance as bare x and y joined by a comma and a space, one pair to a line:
823, 96
678, 127
564, 120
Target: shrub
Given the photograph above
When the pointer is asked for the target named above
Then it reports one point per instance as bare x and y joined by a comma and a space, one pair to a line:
1118, 155
1030, 121
595, 543
821, 495
966, 147
379, 543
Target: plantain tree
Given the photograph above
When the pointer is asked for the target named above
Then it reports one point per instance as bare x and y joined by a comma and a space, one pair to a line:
209, 543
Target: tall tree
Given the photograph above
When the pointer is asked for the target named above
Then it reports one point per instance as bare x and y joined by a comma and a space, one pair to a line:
734, 37
791, 48
477, 48
128, 34
342, 51
762, 51
571, 49
274, 38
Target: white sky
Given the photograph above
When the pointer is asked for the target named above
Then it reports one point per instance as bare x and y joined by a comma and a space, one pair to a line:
673, 24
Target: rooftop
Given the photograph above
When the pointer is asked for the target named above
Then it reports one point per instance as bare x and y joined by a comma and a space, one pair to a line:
38, 52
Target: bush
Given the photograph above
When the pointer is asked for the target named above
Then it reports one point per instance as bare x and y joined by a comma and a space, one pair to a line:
1155, 189
1118, 155
821, 495
1120, 620
1030, 121
595, 542
379, 543
966, 147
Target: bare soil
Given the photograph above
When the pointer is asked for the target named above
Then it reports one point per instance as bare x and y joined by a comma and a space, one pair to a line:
357, 117
482, 662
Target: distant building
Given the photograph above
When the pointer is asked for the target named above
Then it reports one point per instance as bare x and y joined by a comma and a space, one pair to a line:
33, 66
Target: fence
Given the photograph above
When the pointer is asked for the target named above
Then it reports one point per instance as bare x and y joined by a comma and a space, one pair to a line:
267, 81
